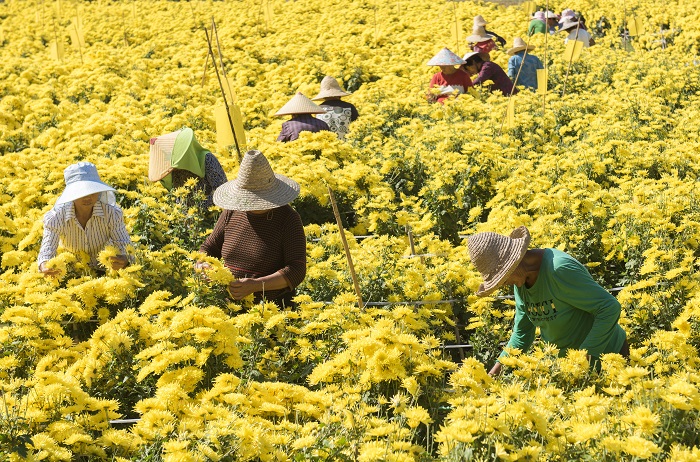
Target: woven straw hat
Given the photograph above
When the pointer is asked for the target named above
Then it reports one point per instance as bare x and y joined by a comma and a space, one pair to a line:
445, 57
496, 256
160, 156
83, 180
479, 20
300, 104
256, 187
330, 88
520, 45
479, 35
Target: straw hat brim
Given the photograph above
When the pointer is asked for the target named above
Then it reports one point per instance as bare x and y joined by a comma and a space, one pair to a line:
330, 93
478, 38
517, 249
514, 50
231, 196
80, 189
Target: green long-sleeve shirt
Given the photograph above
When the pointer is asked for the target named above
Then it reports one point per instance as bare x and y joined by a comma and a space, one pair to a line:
569, 307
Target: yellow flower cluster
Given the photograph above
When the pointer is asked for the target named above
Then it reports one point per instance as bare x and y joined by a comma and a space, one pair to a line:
603, 166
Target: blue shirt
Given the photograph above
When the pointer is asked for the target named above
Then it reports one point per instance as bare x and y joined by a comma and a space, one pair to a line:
528, 74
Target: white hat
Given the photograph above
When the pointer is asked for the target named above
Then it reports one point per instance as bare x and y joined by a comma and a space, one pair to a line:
445, 57
82, 180
256, 187
569, 23
551, 15
469, 55
300, 104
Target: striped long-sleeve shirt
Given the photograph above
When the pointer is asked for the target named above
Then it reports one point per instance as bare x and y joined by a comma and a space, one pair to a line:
256, 245
105, 227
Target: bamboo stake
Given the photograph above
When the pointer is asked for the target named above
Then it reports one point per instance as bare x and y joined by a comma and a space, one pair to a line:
347, 249
410, 242
230, 90
221, 87
546, 71
571, 60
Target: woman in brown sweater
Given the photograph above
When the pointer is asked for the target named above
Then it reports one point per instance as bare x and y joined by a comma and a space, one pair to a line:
259, 235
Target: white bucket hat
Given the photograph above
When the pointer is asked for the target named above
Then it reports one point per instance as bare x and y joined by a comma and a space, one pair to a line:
330, 88
256, 187
445, 57
82, 180
496, 256
300, 104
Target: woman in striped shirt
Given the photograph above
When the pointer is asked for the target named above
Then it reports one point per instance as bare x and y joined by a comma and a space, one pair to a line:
84, 219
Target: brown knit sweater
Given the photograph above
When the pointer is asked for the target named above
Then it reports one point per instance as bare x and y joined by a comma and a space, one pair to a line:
253, 245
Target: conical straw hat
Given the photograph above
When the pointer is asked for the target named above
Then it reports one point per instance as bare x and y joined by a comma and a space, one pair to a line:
479, 20
330, 88
300, 104
520, 45
256, 187
160, 156
478, 35
496, 256
445, 57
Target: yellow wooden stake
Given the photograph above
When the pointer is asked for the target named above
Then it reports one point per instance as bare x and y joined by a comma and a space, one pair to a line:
224, 136
573, 50
56, 50
510, 113
635, 26
542, 81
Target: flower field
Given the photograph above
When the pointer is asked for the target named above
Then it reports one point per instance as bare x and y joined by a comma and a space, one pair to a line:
605, 166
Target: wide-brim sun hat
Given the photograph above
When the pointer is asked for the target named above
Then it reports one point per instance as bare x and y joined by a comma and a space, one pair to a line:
83, 180
300, 104
496, 256
479, 20
550, 15
478, 35
519, 45
330, 88
256, 187
445, 57
568, 24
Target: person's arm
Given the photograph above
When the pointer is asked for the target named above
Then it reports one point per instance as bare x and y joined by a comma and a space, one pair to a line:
521, 338
513, 67
291, 275
214, 173
214, 242
579, 289
285, 133
119, 236
49, 243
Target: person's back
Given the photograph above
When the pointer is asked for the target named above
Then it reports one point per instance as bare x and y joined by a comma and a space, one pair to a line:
523, 67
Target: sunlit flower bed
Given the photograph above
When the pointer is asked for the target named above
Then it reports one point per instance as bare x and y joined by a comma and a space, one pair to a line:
604, 166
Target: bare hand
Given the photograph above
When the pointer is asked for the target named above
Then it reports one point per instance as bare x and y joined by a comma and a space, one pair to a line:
49, 272
495, 370
241, 288
119, 262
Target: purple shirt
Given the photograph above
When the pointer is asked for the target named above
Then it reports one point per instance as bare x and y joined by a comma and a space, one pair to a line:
301, 123
492, 71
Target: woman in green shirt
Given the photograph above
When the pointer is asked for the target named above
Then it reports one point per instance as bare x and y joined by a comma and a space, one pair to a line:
553, 291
